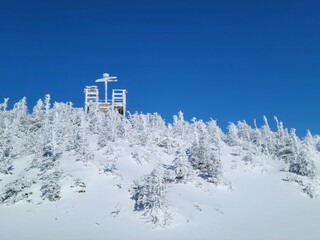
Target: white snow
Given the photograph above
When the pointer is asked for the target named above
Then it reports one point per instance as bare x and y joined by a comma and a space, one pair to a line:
258, 206
252, 201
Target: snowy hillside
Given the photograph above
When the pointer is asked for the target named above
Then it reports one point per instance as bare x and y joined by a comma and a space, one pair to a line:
65, 174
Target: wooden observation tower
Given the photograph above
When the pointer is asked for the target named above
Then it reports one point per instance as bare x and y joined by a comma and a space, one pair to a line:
118, 99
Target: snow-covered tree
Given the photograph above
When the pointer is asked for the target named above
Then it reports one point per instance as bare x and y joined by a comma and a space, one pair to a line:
215, 135
267, 140
204, 155
139, 134
16, 191
244, 132
20, 121
149, 195
181, 129
288, 146
81, 148
232, 138
304, 163
6, 147
112, 126
4, 105
183, 171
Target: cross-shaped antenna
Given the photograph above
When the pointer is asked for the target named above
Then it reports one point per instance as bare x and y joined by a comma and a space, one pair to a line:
106, 78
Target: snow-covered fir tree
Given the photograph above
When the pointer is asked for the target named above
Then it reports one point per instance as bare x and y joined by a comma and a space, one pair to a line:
204, 155
183, 171
150, 197
304, 163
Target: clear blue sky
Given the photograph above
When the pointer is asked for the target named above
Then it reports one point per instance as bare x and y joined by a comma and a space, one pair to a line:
229, 60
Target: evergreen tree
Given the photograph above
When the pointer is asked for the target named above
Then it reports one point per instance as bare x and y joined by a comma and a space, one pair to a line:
268, 141
304, 163
150, 197
6, 147
81, 148
204, 156
288, 146
4, 105
232, 138
182, 167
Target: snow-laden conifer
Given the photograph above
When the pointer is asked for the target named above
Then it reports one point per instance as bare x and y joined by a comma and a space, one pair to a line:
204, 155
150, 197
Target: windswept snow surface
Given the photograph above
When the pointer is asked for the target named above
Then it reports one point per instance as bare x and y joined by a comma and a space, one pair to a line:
69, 175
254, 203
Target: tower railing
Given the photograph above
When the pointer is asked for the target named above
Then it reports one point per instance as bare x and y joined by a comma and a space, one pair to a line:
117, 102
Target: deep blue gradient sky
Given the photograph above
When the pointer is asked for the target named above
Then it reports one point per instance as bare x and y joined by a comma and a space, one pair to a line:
229, 60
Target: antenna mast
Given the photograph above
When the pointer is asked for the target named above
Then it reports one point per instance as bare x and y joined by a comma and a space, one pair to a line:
106, 78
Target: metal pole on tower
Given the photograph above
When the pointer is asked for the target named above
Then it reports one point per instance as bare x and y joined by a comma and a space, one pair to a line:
106, 78
106, 90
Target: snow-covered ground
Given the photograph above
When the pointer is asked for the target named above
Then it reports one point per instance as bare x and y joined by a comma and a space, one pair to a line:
254, 203
67, 175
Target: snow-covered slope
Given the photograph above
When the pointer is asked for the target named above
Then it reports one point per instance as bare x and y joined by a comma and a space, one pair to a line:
77, 176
